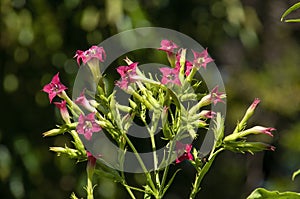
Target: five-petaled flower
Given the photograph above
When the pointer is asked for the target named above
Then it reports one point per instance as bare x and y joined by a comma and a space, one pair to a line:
216, 96
128, 75
201, 59
55, 87
87, 125
168, 46
93, 52
184, 150
170, 75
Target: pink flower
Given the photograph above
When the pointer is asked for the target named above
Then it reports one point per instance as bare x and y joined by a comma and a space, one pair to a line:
254, 104
207, 114
188, 64
168, 46
81, 100
185, 151
93, 52
128, 75
201, 59
170, 75
63, 110
87, 125
261, 129
188, 67
55, 87
216, 96
91, 160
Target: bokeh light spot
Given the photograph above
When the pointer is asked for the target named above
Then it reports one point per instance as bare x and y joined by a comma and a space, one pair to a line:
21, 55
26, 36
90, 19
58, 59
10, 83
70, 66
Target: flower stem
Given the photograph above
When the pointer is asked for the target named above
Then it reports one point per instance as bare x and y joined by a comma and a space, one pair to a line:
90, 188
148, 176
201, 173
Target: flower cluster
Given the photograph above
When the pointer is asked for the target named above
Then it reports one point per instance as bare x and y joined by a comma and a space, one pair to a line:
169, 97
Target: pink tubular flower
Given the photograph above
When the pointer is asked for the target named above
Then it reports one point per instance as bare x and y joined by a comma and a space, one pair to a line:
91, 160
216, 96
93, 52
170, 75
254, 104
81, 100
167, 46
207, 114
87, 125
263, 130
55, 87
188, 64
63, 110
201, 59
128, 75
186, 149
188, 67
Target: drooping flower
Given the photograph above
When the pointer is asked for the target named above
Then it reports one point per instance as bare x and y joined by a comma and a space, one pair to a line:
83, 101
63, 110
128, 75
168, 46
55, 87
93, 52
170, 75
201, 59
87, 125
184, 150
216, 96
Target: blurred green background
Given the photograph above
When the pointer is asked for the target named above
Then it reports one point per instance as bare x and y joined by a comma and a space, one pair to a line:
257, 55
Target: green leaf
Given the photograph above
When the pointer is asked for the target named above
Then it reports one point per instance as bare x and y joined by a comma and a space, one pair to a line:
288, 11
170, 182
261, 193
295, 174
218, 130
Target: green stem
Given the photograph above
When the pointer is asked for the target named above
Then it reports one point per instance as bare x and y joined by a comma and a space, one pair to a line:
129, 191
201, 173
89, 187
191, 75
148, 176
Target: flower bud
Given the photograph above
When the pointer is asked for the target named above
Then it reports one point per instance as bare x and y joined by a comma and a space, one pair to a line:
72, 153
54, 132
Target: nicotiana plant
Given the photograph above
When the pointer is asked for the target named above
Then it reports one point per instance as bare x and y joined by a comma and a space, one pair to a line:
173, 102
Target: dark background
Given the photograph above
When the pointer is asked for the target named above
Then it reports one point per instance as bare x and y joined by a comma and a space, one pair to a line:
257, 55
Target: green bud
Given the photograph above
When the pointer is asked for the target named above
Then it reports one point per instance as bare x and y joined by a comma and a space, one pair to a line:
54, 132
